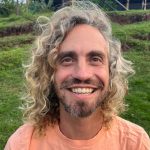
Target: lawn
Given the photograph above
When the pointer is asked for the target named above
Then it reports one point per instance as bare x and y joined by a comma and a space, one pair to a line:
13, 20
11, 89
138, 97
13, 54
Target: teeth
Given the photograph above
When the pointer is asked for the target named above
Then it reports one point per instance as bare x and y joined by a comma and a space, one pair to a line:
82, 90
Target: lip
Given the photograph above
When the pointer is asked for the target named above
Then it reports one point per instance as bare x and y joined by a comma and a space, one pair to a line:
82, 86
83, 96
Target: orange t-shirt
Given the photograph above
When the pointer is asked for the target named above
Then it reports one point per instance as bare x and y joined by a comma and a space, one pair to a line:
122, 135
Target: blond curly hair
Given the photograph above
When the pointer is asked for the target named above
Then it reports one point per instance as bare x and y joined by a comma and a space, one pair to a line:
41, 105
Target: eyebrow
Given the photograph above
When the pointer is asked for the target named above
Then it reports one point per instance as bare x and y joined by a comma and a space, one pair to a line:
61, 55
73, 54
96, 53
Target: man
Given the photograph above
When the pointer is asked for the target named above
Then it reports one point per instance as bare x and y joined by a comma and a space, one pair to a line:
77, 81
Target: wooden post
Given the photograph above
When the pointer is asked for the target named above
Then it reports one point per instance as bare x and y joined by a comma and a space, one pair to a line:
145, 5
27, 4
142, 4
17, 7
127, 5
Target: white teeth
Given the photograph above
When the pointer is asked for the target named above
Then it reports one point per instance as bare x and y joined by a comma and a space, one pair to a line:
82, 90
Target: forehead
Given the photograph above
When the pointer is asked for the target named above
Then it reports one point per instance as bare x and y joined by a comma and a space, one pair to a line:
83, 39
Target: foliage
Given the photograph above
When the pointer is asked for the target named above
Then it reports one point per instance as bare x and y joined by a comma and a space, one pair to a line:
4, 11
6, 7
36, 6
39, 6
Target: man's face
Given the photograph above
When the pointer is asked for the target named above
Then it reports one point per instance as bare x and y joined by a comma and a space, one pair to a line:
82, 73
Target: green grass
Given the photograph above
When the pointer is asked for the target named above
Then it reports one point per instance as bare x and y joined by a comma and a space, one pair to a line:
11, 87
132, 29
130, 12
139, 87
14, 51
15, 21
15, 41
136, 36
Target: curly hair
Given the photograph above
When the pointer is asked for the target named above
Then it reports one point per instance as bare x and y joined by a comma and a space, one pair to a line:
41, 105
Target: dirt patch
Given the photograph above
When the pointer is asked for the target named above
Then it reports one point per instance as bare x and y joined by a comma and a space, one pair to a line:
118, 18
145, 37
22, 29
128, 19
125, 47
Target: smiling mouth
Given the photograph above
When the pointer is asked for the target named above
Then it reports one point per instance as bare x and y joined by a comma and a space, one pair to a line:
82, 90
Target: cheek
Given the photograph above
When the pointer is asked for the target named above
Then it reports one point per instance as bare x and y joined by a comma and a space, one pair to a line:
103, 74
61, 75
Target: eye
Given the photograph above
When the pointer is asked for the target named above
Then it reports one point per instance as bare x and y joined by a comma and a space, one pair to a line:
96, 60
67, 61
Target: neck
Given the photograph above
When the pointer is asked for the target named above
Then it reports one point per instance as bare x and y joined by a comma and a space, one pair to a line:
80, 128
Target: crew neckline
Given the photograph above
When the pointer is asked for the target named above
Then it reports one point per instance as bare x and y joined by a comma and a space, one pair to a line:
79, 143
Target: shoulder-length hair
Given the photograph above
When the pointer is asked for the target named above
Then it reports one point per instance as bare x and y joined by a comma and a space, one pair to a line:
41, 105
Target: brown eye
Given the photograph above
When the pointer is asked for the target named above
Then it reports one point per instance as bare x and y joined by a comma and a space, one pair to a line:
67, 61
96, 60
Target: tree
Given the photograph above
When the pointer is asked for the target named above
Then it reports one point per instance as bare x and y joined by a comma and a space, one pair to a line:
6, 7
17, 7
39, 5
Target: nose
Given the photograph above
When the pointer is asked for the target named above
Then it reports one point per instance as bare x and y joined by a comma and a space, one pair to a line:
82, 71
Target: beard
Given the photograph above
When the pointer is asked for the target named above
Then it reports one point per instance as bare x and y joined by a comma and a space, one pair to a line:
81, 108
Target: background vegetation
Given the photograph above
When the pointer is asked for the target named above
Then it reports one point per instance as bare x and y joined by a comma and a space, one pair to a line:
15, 49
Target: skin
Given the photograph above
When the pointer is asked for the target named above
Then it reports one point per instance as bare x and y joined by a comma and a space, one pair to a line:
82, 64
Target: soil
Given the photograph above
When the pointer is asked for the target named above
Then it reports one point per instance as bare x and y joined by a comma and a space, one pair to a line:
145, 37
17, 30
121, 19
128, 19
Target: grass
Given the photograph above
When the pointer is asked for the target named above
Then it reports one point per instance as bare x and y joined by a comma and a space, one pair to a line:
11, 85
130, 12
139, 87
15, 21
14, 51
136, 36
15, 41
132, 29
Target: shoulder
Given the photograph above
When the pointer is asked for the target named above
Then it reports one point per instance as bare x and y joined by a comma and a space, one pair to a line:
20, 139
128, 127
132, 133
